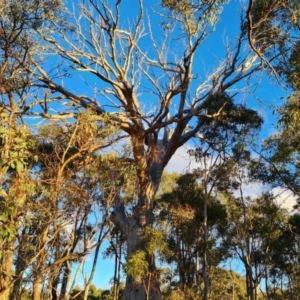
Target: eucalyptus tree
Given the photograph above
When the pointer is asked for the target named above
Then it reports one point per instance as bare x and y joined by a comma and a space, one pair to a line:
145, 75
253, 227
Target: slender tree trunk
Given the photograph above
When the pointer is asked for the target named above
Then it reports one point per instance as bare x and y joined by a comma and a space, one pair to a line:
197, 269
256, 290
205, 235
66, 280
6, 273
54, 285
116, 268
233, 283
267, 288
15, 294
74, 279
205, 277
20, 265
249, 283
37, 283
119, 272
118, 253
204, 258
87, 287
37, 287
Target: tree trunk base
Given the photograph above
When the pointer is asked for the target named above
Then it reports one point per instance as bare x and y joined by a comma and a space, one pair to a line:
137, 291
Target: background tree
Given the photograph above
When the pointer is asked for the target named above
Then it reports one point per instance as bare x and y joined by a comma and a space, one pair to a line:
183, 212
254, 225
284, 270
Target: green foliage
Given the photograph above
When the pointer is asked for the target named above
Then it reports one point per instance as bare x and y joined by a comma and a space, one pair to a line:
291, 71
183, 6
194, 15
289, 114
273, 23
155, 241
8, 227
285, 256
227, 284
254, 225
96, 293
14, 145
185, 203
137, 265
72, 177
26, 295
167, 184
235, 121
178, 294
282, 149
14, 156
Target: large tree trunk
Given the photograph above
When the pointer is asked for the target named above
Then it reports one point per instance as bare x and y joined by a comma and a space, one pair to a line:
133, 228
149, 166
6, 273
140, 288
